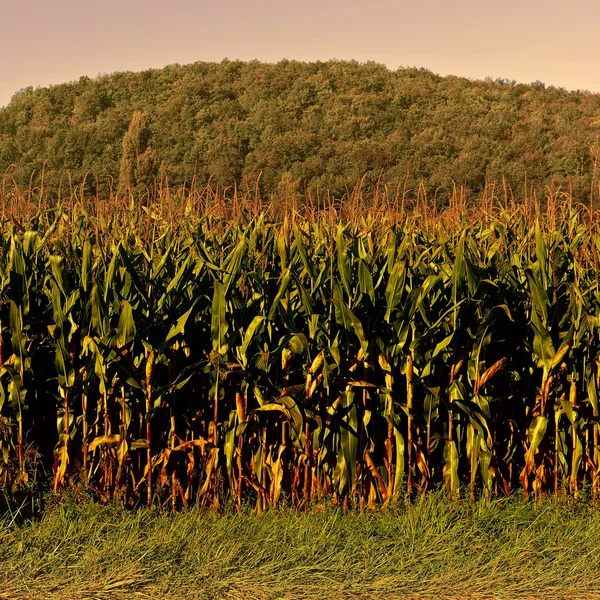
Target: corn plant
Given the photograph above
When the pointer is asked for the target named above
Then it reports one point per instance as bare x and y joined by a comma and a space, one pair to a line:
254, 360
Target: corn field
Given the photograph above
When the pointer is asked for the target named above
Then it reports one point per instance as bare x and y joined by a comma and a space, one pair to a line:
257, 360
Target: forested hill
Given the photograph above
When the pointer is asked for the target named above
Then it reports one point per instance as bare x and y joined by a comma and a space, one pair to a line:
325, 125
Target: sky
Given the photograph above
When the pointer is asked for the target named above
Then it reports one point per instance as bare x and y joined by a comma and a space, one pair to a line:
46, 42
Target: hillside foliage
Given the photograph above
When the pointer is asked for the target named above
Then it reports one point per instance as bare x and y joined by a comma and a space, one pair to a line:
317, 126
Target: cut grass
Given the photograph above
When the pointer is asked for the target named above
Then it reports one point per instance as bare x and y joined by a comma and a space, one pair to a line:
434, 548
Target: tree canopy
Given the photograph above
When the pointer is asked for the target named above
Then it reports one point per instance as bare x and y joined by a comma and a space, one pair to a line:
325, 125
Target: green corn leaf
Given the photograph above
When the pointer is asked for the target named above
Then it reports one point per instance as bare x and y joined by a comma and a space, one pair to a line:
253, 330
133, 272
343, 262
537, 430
179, 327
395, 288
109, 281
126, 329
451, 479
285, 280
233, 263
349, 437
365, 281
218, 327
302, 253
351, 323
163, 262
541, 255
86, 266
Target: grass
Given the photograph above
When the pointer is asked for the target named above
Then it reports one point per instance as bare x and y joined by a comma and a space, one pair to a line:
432, 549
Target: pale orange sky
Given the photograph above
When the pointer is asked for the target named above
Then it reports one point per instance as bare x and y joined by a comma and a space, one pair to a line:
52, 41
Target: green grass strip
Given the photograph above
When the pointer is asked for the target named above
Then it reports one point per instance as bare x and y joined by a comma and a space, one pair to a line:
434, 548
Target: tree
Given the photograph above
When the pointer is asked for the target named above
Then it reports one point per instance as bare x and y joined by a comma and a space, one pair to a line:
137, 165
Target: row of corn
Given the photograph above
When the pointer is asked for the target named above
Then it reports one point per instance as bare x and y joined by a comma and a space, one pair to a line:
209, 362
